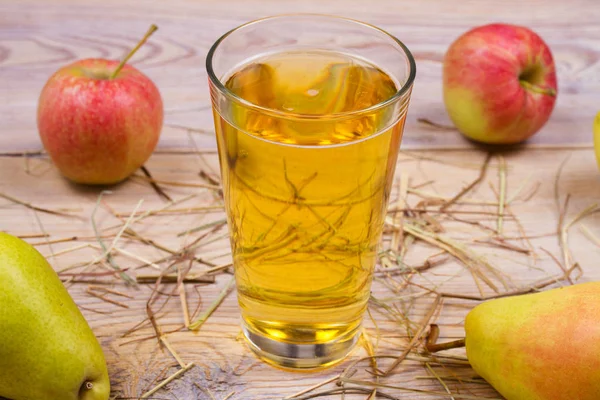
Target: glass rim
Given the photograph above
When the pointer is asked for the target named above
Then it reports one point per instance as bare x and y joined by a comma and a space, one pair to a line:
404, 88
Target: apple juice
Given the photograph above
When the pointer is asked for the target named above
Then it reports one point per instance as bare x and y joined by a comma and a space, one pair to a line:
307, 168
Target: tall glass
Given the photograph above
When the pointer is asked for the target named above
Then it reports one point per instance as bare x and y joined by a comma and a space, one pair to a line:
309, 112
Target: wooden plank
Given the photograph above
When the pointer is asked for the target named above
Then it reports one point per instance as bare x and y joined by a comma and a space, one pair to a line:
37, 37
223, 362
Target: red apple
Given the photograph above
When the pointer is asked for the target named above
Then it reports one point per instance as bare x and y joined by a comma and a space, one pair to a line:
100, 120
499, 83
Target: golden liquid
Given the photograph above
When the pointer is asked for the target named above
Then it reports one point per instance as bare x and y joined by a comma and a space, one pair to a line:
306, 197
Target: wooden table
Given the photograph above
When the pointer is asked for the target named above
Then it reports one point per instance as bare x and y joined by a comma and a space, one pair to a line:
36, 37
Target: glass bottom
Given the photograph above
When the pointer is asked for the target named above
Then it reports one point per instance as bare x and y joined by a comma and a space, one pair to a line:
299, 356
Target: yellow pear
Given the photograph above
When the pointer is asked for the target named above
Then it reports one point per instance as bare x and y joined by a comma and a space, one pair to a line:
542, 346
597, 137
47, 349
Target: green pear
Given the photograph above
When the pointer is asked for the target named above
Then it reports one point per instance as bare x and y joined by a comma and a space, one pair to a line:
47, 349
542, 346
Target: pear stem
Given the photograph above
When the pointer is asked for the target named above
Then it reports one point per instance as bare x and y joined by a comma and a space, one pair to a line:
153, 28
432, 337
435, 347
538, 89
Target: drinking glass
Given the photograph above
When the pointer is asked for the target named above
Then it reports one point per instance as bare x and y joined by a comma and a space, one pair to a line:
309, 112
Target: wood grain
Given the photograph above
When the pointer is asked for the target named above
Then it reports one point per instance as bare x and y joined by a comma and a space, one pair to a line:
37, 37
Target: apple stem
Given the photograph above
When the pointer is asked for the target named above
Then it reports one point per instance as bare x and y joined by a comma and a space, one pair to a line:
153, 28
538, 89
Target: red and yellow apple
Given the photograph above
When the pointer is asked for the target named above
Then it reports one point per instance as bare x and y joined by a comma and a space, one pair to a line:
499, 83
98, 129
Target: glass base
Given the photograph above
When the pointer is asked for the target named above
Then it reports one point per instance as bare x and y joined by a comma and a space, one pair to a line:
298, 356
